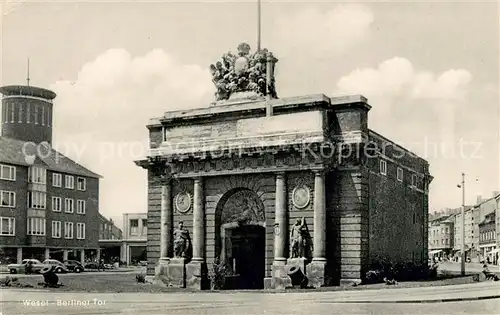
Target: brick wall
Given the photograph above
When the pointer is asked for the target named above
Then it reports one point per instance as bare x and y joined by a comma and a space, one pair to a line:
398, 216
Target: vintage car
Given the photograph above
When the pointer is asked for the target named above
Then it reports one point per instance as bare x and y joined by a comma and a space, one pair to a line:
74, 266
56, 265
36, 266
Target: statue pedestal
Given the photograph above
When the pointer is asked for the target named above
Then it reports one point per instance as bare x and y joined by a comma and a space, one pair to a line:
299, 262
171, 272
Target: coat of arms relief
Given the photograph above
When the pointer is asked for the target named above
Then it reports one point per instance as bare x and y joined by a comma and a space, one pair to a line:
244, 72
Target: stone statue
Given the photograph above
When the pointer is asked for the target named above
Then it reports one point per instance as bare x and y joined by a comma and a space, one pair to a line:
299, 240
243, 72
182, 241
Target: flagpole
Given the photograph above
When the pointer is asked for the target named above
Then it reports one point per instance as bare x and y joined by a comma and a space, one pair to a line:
258, 24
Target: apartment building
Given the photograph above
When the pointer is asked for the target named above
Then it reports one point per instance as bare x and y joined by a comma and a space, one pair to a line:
135, 237
48, 203
441, 237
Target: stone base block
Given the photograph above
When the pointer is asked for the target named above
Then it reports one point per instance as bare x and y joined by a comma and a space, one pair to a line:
197, 275
171, 273
317, 273
268, 283
279, 276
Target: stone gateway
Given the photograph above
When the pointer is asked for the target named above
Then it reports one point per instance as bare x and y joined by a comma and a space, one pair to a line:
265, 184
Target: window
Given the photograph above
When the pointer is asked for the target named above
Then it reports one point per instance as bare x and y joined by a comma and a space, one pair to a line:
56, 229
81, 183
383, 167
68, 230
446, 242
69, 182
134, 226
37, 175
7, 226
69, 205
80, 206
36, 200
36, 226
414, 180
400, 174
7, 199
80, 231
56, 180
7, 172
144, 227
442, 242
56, 204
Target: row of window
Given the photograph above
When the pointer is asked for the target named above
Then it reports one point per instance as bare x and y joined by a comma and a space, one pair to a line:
37, 200
36, 226
443, 230
486, 236
33, 113
399, 173
38, 175
443, 242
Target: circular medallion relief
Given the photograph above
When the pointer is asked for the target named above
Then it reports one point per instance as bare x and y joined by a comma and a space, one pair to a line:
183, 202
301, 196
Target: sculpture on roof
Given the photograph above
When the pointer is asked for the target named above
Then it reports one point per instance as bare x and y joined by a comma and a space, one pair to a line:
244, 72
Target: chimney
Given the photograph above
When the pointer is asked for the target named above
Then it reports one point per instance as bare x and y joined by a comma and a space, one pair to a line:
479, 199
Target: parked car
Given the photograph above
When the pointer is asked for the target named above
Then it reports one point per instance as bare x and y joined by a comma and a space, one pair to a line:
36, 266
56, 265
74, 266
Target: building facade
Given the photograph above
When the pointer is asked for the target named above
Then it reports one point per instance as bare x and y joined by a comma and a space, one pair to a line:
441, 237
487, 239
108, 230
245, 173
48, 203
135, 237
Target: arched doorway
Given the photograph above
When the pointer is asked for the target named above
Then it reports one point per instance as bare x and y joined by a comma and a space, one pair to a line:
240, 221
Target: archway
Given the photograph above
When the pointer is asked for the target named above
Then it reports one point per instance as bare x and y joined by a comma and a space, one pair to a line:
241, 238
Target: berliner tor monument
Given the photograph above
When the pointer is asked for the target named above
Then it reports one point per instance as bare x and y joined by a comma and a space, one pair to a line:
262, 184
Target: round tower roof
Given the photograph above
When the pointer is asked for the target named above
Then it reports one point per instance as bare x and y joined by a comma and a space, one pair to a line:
24, 90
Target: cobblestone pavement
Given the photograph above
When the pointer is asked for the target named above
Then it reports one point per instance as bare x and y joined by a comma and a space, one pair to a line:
389, 301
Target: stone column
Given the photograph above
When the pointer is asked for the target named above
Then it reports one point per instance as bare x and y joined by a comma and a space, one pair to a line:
319, 217
166, 221
82, 256
198, 221
280, 220
317, 268
196, 270
98, 254
65, 254
47, 253
279, 278
19, 255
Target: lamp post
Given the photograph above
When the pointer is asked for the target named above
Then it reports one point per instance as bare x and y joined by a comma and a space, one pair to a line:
462, 241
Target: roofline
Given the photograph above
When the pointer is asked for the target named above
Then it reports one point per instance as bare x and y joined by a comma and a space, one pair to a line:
96, 176
372, 132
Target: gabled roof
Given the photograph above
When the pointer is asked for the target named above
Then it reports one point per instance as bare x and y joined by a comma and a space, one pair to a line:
12, 151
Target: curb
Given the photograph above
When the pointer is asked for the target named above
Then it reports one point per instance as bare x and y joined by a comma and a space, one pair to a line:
413, 301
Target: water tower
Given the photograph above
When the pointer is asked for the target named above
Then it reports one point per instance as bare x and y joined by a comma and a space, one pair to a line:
27, 113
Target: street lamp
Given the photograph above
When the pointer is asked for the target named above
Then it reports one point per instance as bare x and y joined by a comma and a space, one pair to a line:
462, 246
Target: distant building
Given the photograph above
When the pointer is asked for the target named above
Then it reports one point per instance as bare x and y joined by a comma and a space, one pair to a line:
441, 237
487, 238
473, 216
108, 230
48, 203
135, 236
497, 221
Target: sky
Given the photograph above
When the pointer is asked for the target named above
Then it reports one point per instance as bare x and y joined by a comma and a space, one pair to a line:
430, 71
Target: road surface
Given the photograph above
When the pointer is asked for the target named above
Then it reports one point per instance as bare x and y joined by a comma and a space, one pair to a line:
387, 301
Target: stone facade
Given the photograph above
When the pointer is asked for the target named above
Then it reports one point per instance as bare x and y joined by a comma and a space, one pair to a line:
249, 170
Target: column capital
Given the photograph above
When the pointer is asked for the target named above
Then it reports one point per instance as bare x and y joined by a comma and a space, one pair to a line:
319, 172
280, 174
198, 179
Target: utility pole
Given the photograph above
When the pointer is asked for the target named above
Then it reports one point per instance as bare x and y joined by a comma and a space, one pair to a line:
462, 241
